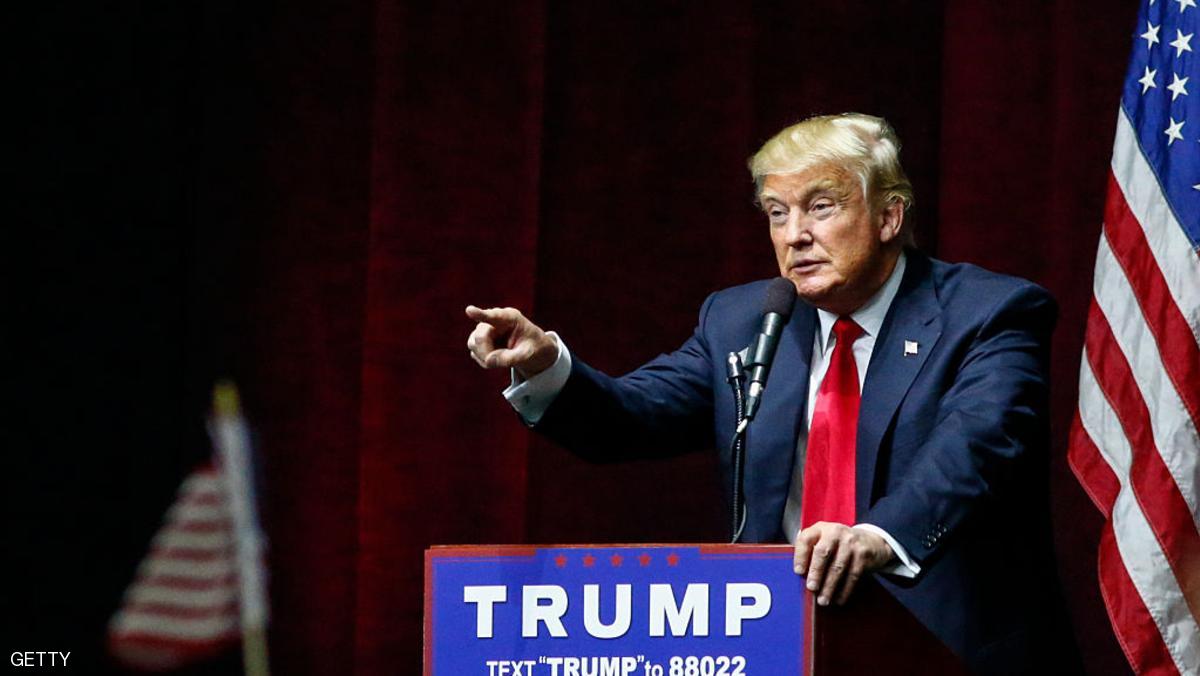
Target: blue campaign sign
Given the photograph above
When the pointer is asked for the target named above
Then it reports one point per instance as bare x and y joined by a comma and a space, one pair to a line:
646, 610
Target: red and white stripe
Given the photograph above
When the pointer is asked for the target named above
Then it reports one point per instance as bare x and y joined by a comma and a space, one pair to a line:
183, 603
1134, 444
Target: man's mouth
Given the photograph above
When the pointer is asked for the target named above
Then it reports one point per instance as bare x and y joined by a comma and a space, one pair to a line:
805, 265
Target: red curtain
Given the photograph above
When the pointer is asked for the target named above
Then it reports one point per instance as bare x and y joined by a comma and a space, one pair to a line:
586, 163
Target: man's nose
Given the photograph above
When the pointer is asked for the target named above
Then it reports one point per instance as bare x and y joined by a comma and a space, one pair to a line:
797, 231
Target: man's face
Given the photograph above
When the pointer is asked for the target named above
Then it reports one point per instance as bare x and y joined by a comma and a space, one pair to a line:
829, 242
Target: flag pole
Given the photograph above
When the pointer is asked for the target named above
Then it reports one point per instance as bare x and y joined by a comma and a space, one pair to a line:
254, 652
232, 440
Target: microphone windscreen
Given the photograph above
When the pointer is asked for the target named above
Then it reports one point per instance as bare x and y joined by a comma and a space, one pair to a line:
781, 297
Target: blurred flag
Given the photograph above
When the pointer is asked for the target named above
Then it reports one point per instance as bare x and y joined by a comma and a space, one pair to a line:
202, 586
183, 605
1134, 443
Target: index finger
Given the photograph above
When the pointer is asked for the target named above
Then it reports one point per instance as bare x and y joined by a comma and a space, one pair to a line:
805, 540
498, 316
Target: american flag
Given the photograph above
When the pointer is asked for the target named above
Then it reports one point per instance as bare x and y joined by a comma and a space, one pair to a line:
1134, 443
183, 605
201, 588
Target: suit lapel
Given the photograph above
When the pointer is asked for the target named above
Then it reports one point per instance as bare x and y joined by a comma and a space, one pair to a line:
803, 331
771, 446
908, 335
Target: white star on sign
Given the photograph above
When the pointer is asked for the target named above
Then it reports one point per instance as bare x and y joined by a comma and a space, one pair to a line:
1151, 34
1182, 43
1184, 4
1147, 80
1177, 86
1172, 131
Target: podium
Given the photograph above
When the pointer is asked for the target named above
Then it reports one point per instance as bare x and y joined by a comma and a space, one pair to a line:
874, 634
658, 610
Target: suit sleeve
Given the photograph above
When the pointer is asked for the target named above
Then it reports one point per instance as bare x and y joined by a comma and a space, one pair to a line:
991, 425
662, 408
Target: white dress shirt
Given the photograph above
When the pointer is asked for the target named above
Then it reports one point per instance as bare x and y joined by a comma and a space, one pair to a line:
533, 396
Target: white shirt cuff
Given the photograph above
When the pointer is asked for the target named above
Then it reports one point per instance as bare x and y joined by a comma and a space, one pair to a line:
903, 566
530, 398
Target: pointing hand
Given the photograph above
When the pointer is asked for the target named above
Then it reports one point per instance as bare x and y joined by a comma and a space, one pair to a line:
505, 338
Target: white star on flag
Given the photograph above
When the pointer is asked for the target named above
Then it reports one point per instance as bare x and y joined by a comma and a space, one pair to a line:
1147, 80
1182, 43
1151, 34
1184, 4
1177, 86
1173, 130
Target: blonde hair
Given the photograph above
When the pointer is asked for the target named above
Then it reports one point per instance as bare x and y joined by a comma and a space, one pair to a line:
865, 145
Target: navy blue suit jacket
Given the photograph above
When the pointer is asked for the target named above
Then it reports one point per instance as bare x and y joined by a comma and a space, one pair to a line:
951, 449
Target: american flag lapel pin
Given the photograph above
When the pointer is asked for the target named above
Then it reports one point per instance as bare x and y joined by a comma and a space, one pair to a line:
910, 348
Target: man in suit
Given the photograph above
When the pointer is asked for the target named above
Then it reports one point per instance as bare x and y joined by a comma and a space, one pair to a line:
904, 431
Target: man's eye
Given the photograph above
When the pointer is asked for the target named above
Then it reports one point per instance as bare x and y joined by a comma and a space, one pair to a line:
821, 207
777, 215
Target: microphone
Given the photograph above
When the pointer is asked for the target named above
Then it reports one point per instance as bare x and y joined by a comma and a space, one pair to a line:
777, 310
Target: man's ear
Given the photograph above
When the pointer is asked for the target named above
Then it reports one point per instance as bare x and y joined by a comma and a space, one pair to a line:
892, 221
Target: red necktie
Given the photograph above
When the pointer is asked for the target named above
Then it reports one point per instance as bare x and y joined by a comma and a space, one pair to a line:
828, 492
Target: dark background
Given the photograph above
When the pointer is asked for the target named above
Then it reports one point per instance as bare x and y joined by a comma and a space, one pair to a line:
303, 196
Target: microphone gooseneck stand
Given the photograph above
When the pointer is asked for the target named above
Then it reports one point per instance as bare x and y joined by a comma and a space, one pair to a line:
735, 375
777, 309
